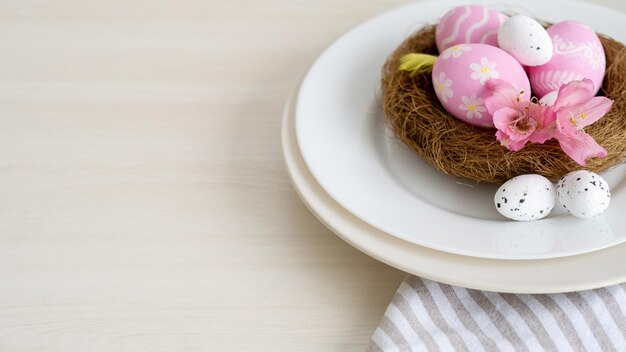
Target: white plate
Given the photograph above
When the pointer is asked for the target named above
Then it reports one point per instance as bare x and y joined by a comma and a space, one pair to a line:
344, 141
601, 268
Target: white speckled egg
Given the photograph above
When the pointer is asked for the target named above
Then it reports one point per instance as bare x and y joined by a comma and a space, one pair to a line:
583, 194
578, 54
526, 40
525, 198
460, 78
469, 24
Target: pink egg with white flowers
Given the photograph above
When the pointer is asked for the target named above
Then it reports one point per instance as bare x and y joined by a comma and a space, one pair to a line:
460, 76
469, 24
578, 54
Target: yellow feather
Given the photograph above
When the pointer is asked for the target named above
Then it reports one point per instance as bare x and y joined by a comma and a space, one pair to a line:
417, 63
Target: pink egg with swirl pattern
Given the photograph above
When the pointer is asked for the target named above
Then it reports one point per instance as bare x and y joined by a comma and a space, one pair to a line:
460, 75
469, 24
578, 54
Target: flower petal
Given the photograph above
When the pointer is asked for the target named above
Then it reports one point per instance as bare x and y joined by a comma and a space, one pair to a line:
580, 147
504, 94
503, 117
517, 145
574, 93
545, 122
587, 113
511, 145
541, 135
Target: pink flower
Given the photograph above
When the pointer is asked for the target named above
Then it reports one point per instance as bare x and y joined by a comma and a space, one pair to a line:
518, 121
576, 107
521, 121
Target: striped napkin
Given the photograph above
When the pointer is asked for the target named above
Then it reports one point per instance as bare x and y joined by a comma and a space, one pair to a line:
428, 316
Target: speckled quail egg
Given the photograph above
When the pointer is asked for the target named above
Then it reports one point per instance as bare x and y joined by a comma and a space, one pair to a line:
525, 198
525, 39
583, 194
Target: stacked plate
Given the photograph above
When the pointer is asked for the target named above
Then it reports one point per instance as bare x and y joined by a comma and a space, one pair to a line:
380, 197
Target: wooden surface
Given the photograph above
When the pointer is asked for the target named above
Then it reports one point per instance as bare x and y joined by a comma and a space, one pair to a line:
144, 205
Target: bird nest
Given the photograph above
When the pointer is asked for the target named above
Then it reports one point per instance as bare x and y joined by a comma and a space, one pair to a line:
418, 119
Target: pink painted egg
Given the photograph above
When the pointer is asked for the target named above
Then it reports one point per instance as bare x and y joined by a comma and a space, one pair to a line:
460, 76
469, 24
578, 54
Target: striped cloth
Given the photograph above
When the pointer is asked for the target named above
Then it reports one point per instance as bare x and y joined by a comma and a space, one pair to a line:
428, 316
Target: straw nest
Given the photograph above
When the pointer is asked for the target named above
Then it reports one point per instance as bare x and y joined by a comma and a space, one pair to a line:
456, 148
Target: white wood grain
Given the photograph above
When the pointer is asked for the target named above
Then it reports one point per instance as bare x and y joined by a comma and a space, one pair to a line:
144, 204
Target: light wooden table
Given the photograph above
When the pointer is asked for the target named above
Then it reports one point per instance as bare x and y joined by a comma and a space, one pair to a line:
144, 205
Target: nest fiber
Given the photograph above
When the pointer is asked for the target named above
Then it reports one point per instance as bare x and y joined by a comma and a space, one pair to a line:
418, 119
